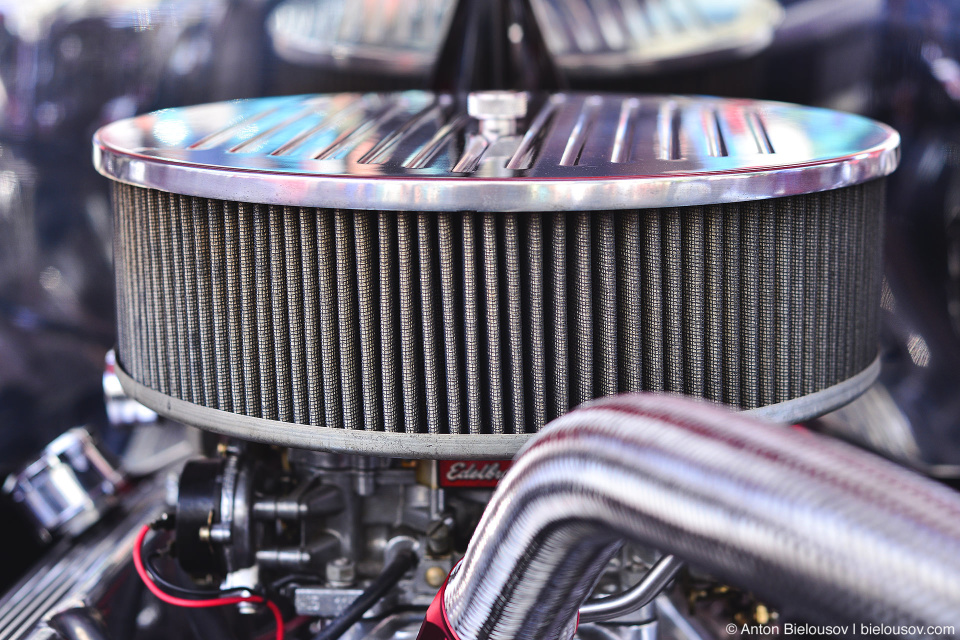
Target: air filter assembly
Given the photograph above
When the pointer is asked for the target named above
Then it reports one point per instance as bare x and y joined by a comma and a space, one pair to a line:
416, 275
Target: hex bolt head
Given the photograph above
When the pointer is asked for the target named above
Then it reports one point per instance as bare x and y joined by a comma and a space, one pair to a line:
497, 105
341, 572
497, 111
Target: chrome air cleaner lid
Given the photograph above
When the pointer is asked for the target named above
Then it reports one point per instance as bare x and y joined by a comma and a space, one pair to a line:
417, 151
424, 276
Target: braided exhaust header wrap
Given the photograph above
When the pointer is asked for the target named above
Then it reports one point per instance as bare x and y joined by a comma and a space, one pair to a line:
821, 529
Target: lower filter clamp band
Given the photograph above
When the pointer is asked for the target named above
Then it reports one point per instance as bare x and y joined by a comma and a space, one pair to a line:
436, 446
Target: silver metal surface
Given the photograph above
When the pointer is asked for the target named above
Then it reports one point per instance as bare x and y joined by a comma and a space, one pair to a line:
371, 530
609, 37
877, 423
405, 625
400, 38
677, 625
618, 37
820, 402
438, 445
417, 151
69, 487
645, 591
77, 573
341, 572
498, 113
802, 520
329, 602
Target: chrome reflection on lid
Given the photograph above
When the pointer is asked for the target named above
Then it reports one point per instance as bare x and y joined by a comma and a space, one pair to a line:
381, 35
587, 36
614, 37
417, 151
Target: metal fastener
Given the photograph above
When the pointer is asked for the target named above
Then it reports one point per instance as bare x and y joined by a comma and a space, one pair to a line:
497, 111
341, 572
434, 576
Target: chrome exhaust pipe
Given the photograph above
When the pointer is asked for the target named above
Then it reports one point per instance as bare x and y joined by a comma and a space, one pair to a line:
819, 528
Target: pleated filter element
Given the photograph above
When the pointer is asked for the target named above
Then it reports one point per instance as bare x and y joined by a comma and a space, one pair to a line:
404, 308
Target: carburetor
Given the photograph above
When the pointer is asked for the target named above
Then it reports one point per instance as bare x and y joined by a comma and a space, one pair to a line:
316, 526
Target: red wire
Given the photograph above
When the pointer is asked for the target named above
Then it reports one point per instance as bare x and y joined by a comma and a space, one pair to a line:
195, 604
